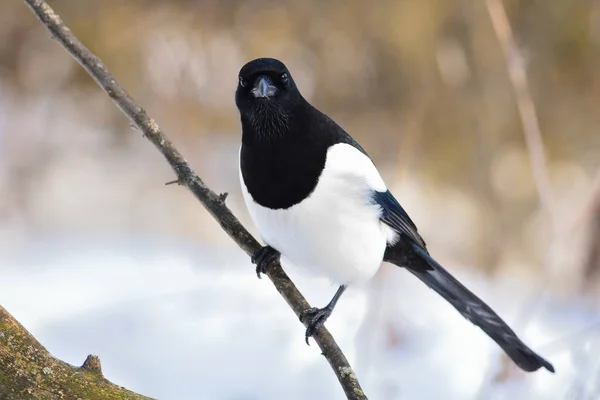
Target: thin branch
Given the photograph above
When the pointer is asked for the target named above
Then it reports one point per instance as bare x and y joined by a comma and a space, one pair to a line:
525, 105
213, 202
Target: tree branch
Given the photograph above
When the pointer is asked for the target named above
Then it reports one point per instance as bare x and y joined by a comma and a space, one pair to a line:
30, 372
213, 202
526, 107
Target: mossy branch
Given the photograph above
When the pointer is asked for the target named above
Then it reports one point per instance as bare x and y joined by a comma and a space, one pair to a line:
213, 202
28, 371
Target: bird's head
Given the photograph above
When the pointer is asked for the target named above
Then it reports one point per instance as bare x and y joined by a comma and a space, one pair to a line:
266, 96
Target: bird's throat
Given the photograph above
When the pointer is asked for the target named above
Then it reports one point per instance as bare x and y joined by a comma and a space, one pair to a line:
263, 125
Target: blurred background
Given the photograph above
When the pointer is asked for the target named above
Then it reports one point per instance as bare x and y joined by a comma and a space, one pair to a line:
98, 256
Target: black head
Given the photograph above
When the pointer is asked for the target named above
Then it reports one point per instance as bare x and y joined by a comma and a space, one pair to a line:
266, 96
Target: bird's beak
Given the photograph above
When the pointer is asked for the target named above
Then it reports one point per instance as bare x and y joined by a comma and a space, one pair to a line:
264, 88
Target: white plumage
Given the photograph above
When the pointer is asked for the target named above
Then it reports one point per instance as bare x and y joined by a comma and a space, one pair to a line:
336, 231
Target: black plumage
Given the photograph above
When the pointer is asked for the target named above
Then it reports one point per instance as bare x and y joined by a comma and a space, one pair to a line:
284, 142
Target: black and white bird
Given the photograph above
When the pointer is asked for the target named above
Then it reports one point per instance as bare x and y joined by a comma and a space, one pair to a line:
317, 199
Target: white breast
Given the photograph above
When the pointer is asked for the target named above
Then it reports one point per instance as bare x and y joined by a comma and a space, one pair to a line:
336, 231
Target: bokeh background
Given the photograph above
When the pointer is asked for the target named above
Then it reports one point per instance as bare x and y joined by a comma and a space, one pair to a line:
98, 256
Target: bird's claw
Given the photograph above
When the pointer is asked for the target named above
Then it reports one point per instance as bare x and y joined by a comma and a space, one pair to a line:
315, 317
263, 257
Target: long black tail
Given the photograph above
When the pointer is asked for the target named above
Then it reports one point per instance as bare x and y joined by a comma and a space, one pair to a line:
418, 261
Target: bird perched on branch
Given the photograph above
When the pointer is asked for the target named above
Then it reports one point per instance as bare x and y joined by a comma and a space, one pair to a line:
317, 199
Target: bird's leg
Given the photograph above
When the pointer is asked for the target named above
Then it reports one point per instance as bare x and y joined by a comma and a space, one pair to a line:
316, 317
263, 257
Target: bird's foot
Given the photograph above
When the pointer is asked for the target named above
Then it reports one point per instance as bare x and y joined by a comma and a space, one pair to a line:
263, 257
315, 317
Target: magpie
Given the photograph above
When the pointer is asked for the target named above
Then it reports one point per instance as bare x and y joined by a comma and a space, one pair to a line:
318, 200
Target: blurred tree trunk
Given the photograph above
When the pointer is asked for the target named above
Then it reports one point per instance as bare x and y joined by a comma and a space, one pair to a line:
28, 371
592, 266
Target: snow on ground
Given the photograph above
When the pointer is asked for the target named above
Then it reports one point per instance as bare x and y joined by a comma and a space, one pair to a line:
180, 322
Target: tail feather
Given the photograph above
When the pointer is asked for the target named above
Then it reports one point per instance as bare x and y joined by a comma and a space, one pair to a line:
418, 261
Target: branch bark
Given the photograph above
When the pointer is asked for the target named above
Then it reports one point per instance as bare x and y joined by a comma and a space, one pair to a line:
213, 202
28, 371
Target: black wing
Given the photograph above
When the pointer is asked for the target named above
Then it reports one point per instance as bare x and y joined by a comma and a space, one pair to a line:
394, 215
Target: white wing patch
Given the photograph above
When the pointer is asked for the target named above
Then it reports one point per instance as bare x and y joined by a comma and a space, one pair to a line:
344, 159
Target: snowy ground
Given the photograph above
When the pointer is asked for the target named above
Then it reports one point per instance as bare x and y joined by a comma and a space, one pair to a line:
180, 322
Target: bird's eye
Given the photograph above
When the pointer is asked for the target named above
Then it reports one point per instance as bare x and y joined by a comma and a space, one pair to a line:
242, 82
284, 77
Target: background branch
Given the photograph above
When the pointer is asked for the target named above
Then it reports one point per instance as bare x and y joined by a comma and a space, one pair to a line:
213, 202
525, 105
517, 75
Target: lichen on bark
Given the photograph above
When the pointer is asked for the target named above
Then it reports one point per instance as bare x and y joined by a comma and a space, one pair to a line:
28, 371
